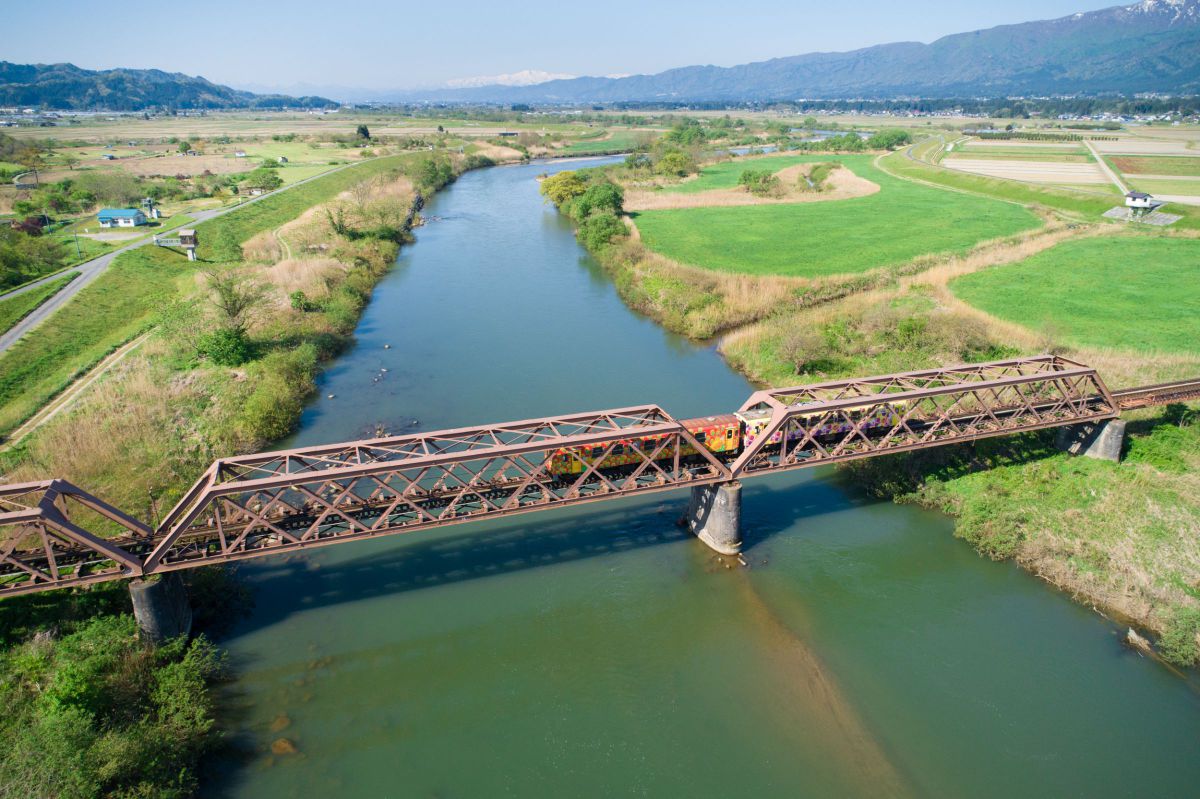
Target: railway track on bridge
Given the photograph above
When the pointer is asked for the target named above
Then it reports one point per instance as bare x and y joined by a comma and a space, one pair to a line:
1159, 394
54, 535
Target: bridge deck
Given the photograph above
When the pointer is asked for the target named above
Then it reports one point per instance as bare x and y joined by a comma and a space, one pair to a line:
53, 534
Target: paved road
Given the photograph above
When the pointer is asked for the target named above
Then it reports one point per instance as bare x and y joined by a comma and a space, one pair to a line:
90, 270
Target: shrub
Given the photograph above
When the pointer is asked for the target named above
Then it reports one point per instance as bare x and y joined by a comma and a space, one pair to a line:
225, 347
604, 196
1180, 643
760, 182
675, 164
599, 229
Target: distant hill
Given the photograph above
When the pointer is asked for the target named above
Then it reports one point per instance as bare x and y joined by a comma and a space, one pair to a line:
67, 87
1151, 46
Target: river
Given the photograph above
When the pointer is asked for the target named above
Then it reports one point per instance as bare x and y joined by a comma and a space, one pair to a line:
599, 651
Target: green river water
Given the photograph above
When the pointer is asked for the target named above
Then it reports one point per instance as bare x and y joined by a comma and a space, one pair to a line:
599, 651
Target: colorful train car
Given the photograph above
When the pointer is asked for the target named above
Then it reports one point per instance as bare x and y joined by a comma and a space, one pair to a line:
719, 434
724, 435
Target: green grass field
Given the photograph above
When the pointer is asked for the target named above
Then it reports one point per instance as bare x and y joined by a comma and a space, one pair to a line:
1138, 293
902, 221
14, 309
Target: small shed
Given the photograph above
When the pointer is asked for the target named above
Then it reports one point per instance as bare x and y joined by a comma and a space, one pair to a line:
1140, 200
283, 159
121, 217
187, 237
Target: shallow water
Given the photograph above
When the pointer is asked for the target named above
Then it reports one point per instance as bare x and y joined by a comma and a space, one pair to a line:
599, 651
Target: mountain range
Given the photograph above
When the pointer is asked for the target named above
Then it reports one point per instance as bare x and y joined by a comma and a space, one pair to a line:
67, 87
1150, 46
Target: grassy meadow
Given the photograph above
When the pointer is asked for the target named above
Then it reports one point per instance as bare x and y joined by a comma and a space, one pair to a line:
901, 222
1131, 292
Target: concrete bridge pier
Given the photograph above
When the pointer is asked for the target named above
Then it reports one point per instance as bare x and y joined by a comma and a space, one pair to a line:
1101, 440
714, 515
161, 607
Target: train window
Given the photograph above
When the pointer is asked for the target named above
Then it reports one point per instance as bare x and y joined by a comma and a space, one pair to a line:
700, 436
729, 433
619, 449
597, 452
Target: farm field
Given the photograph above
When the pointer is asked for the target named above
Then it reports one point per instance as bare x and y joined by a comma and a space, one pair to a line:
901, 222
1157, 185
1181, 166
1136, 292
1040, 171
1054, 156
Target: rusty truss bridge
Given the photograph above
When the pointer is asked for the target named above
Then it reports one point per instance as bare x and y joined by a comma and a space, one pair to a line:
54, 534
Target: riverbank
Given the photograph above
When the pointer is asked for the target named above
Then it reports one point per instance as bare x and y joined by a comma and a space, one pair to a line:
1121, 540
235, 343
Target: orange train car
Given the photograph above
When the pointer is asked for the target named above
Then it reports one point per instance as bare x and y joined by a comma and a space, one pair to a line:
719, 434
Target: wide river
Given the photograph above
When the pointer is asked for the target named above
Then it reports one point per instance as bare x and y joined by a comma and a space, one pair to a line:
599, 651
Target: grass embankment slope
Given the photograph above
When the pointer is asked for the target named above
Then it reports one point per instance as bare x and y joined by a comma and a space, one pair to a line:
16, 308
902, 221
128, 297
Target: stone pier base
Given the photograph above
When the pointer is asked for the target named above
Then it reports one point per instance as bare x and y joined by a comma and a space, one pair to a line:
1094, 439
715, 516
160, 605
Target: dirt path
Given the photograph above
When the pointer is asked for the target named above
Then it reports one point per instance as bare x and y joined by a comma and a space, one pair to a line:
1105, 168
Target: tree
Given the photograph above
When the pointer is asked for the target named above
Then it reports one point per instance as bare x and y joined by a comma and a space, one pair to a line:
235, 296
598, 197
600, 228
184, 146
363, 133
563, 187
265, 179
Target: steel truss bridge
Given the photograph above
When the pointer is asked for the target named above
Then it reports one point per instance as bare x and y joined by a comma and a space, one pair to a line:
54, 534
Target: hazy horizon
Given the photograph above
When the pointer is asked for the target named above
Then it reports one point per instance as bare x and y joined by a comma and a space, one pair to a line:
375, 47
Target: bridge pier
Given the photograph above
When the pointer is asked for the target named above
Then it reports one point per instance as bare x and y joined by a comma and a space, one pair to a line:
714, 515
161, 607
1101, 440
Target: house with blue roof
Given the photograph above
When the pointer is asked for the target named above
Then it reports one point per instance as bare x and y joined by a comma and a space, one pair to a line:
121, 217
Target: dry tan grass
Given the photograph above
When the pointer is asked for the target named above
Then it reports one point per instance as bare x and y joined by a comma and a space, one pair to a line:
309, 275
498, 153
842, 185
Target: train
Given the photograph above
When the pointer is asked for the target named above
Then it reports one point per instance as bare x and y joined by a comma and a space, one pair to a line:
725, 435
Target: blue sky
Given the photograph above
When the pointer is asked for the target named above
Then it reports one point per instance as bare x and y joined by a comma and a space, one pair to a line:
378, 44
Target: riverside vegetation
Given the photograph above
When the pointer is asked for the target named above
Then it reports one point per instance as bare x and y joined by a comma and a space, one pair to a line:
1120, 537
235, 341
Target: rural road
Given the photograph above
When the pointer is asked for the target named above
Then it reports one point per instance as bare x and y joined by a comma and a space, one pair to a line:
1105, 168
90, 270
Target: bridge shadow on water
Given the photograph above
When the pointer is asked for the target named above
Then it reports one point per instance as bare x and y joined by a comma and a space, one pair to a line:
293, 583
